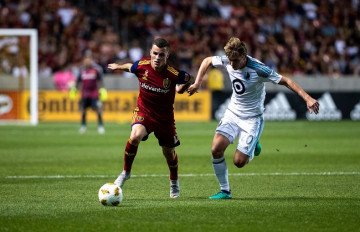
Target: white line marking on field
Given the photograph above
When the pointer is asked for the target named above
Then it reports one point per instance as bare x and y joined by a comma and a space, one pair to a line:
191, 175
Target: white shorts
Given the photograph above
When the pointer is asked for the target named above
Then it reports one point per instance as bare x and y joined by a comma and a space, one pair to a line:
247, 129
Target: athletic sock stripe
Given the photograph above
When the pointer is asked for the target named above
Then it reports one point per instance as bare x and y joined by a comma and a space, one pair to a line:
218, 161
226, 191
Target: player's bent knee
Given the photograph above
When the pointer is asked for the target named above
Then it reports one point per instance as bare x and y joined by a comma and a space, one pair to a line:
240, 164
135, 140
217, 153
240, 161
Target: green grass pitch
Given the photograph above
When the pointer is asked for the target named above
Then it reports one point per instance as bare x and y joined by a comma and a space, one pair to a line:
306, 179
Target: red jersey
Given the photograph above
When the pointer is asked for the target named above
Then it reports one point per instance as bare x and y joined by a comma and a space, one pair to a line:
89, 78
157, 89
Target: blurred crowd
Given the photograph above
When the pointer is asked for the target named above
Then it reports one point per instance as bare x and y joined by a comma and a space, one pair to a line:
294, 37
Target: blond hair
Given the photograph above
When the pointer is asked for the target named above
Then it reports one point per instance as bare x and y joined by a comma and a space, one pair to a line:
235, 47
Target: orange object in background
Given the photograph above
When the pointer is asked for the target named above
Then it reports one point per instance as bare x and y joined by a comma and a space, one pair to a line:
10, 105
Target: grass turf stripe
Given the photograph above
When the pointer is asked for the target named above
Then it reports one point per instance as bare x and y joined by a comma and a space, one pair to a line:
188, 175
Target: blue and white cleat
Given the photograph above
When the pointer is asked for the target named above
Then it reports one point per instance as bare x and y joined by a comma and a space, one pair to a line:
222, 194
257, 149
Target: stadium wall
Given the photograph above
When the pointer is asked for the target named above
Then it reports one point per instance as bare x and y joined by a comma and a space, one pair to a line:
339, 99
118, 82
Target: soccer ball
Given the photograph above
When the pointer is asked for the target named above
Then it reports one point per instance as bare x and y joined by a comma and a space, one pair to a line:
110, 194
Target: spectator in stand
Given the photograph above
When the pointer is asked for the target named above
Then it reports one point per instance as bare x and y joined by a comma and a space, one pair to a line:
20, 70
77, 27
44, 70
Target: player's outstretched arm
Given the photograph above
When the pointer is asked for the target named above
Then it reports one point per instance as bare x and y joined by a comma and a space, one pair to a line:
181, 88
124, 67
200, 76
312, 104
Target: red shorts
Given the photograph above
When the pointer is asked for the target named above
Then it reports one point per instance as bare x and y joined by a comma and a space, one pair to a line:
164, 131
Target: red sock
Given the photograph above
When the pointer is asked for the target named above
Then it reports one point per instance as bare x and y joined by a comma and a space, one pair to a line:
129, 156
173, 167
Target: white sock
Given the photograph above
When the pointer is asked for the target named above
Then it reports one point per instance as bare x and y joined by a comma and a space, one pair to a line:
221, 172
125, 173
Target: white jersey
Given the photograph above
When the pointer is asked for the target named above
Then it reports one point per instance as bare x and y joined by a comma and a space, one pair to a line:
248, 86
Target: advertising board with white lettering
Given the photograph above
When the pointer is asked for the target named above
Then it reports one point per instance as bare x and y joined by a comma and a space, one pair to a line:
289, 106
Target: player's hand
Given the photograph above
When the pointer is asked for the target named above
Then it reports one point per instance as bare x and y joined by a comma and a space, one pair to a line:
113, 66
103, 94
72, 93
313, 105
193, 89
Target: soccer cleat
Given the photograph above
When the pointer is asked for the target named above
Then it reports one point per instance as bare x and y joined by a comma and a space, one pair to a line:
101, 130
257, 149
82, 129
122, 178
174, 189
222, 194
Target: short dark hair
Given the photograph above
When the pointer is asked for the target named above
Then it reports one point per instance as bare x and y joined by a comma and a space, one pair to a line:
161, 43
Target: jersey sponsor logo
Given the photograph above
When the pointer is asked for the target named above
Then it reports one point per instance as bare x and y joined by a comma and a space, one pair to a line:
355, 113
238, 86
279, 109
166, 83
154, 89
88, 76
327, 110
144, 62
145, 75
172, 70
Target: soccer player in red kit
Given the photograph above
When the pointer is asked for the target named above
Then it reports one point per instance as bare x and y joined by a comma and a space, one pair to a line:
90, 81
158, 83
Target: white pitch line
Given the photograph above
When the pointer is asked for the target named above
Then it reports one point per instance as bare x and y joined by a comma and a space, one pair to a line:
190, 175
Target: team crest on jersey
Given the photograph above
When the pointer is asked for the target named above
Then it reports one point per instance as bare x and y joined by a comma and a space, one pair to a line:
139, 118
166, 83
145, 75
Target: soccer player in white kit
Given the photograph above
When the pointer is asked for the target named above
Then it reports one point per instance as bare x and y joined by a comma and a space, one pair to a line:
243, 118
